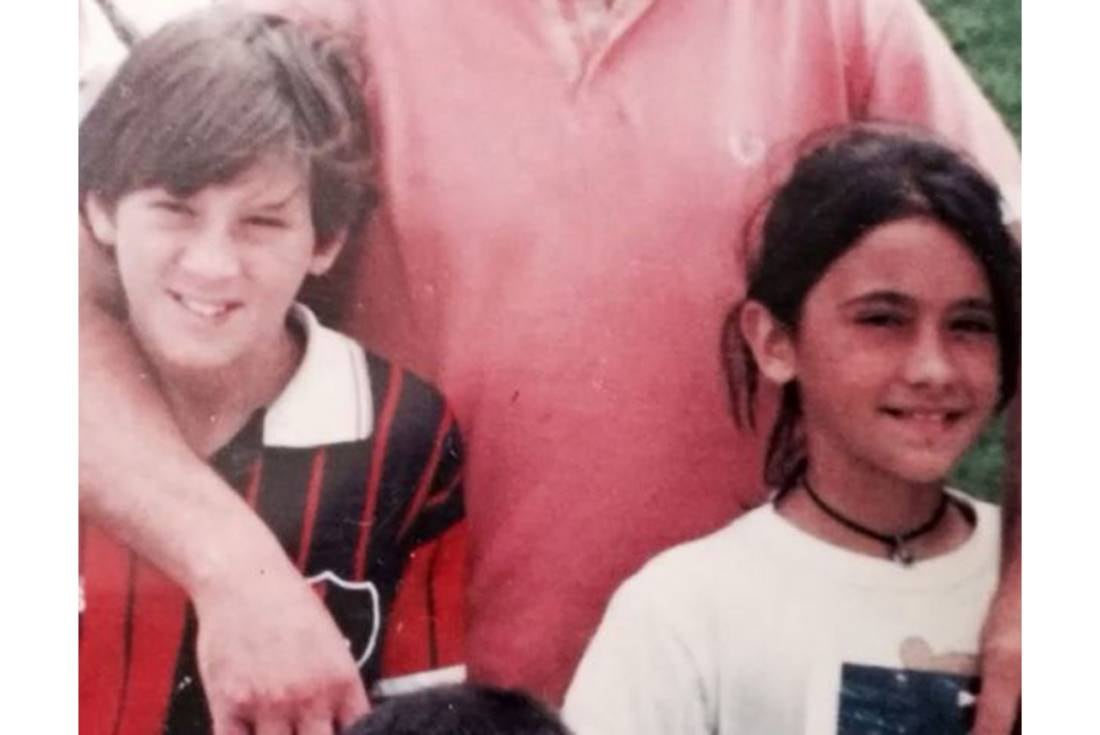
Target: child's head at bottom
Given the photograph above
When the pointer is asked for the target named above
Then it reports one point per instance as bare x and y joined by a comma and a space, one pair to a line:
884, 299
464, 709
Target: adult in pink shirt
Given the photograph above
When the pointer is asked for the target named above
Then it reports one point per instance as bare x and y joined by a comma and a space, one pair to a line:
565, 184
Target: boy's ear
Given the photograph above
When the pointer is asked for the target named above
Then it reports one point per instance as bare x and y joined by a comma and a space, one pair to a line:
324, 255
771, 342
101, 220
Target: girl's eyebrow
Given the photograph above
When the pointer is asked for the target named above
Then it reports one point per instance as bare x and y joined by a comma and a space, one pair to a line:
894, 298
978, 304
891, 298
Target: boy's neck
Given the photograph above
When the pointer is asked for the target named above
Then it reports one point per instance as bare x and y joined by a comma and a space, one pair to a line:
211, 406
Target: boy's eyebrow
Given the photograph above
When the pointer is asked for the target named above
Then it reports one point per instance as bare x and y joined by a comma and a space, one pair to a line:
279, 204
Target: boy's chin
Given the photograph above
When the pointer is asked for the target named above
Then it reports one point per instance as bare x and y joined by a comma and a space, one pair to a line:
194, 360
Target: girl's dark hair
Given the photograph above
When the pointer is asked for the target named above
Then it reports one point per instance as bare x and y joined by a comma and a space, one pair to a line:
850, 181
208, 95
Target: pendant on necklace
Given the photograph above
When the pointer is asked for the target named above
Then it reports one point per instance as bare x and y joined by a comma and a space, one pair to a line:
901, 553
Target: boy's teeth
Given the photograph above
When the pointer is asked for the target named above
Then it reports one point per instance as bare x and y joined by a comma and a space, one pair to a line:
204, 308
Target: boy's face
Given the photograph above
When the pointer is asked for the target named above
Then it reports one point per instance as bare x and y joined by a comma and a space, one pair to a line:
209, 278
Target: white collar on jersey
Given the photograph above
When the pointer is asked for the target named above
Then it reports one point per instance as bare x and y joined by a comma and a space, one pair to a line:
328, 399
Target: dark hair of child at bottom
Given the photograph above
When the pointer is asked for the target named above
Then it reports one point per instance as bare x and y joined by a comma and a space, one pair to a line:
463, 709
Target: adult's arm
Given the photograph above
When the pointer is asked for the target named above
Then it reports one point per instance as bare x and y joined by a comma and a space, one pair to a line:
998, 705
141, 482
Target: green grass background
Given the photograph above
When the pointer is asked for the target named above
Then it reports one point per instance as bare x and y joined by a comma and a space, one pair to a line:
986, 34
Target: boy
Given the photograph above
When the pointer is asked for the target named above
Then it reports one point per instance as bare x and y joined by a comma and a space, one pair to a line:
228, 160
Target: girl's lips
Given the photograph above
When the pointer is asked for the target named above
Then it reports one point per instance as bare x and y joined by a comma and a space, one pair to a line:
936, 417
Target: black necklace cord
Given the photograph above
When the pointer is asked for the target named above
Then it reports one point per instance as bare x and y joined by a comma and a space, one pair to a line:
895, 543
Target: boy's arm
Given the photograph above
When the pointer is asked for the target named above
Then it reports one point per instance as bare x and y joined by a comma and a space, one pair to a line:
998, 704
140, 481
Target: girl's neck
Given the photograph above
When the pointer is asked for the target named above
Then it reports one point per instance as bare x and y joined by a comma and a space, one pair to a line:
882, 503
876, 500
211, 406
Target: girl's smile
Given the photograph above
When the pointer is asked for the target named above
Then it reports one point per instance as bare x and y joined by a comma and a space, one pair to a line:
896, 355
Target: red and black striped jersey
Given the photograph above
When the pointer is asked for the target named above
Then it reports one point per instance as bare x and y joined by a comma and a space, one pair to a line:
356, 469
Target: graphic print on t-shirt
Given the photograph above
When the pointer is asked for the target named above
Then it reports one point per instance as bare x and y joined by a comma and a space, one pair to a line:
878, 700
916, 691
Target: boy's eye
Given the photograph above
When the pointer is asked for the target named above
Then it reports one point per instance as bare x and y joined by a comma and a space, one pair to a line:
264, 221
173, 206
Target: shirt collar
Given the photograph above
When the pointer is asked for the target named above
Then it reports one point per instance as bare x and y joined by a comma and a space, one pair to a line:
328, 399
581, 32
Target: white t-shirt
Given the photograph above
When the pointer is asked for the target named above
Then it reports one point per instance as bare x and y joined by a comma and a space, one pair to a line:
763, 628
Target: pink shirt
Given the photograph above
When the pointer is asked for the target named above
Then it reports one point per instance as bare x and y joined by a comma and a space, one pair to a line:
559, 244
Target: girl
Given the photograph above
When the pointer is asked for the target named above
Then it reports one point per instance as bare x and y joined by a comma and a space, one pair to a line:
884, 302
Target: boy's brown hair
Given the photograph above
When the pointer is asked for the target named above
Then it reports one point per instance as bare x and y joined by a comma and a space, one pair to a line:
207, 96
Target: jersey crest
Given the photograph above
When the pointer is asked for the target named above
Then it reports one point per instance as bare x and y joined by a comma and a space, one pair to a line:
356, 608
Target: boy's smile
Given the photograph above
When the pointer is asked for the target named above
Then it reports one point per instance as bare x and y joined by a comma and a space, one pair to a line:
209, 277
209, 310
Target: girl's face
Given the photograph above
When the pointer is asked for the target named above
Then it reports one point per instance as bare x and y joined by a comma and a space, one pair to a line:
896, 354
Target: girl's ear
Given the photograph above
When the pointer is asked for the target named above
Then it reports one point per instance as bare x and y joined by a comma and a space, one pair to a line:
324, 255
101, 220
771, 342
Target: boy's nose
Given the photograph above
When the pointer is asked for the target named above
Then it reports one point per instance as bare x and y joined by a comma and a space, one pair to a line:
212, 255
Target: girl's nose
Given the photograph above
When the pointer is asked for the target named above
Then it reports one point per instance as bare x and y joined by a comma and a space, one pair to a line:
930, 362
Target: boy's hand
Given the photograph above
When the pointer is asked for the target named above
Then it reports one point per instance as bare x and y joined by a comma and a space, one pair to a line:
1000, 655
273, 661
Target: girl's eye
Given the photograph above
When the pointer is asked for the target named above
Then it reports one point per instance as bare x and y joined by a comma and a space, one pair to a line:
881, 319
973, 325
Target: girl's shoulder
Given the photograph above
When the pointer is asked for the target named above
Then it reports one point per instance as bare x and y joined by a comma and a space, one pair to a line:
986, 515
720, 557
986, 535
